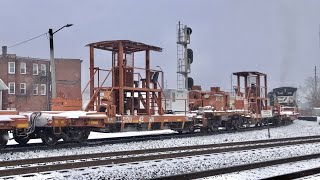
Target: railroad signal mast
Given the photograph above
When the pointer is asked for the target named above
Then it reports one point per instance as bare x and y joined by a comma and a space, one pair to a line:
184, 57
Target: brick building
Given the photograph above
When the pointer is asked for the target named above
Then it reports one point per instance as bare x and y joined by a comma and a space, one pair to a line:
28, 80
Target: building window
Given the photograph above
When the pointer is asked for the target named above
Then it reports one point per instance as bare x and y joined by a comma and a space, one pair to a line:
35, 69
35, 89
43, 89
11, 67
23, 68
43, 70
23, 88
12, 87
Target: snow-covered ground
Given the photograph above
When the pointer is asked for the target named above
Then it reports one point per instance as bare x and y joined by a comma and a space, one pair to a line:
165, 167
270, 171
312, 177
148, 169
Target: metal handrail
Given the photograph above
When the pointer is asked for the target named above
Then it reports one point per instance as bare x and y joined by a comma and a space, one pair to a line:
98, 90
89, 81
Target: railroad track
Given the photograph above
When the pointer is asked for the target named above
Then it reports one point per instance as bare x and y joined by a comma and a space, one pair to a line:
298, 174
214, 172
117, 140
27, 166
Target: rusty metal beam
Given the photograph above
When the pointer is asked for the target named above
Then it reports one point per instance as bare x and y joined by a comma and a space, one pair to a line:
113, 45
91, 75
265, 91
238, 85
121, 92
246, 87
148, 81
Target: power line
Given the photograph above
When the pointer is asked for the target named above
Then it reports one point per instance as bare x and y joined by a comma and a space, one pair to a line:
23, 42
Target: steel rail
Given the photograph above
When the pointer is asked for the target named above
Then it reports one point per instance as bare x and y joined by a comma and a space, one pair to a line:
214, 172
295, 175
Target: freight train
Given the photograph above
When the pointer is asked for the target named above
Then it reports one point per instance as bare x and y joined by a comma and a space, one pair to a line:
131, 98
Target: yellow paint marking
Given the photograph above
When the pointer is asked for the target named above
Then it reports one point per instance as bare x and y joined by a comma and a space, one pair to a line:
20, 126
63, 122
178, 119
94, 122
166, 120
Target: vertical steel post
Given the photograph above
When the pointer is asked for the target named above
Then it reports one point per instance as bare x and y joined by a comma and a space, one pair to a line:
53, 67
238, 84
266, 91
98, 80
113, 65
148, 81
246, 87
121, 91
231, 89
315, 83
268, 127
91, 75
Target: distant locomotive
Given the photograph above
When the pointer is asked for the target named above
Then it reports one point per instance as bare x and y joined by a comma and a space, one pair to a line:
284, 103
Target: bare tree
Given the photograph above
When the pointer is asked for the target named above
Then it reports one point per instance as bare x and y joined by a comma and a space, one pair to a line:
311, 93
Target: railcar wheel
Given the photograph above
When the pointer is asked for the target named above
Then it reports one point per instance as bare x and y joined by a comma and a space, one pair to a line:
213, 127
204, 129
190, 128
22, 140
142, 127
4, 136
236, 124
84, 136
49, 138
76, 135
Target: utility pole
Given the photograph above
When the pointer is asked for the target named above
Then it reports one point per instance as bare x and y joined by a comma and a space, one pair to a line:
315, 83
231, 84
53, 67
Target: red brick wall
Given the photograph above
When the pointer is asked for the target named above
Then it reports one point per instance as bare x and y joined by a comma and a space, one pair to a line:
68, 82
68, 76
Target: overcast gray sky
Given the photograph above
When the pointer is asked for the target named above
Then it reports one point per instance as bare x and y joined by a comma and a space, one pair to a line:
278, 37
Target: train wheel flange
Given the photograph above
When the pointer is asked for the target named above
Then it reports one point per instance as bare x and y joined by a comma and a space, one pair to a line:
49, 138
22, 140
84, 136
4, 136
78, 135
213, 127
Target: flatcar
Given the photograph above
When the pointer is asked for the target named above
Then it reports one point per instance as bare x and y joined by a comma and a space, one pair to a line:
131, 98
11, 121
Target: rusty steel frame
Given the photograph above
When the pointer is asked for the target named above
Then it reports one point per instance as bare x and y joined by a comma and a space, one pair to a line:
258, 98
15, 123
121, 48
82, 121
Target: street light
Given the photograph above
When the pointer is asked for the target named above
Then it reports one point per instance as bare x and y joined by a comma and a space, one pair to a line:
53, 68
162, 77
